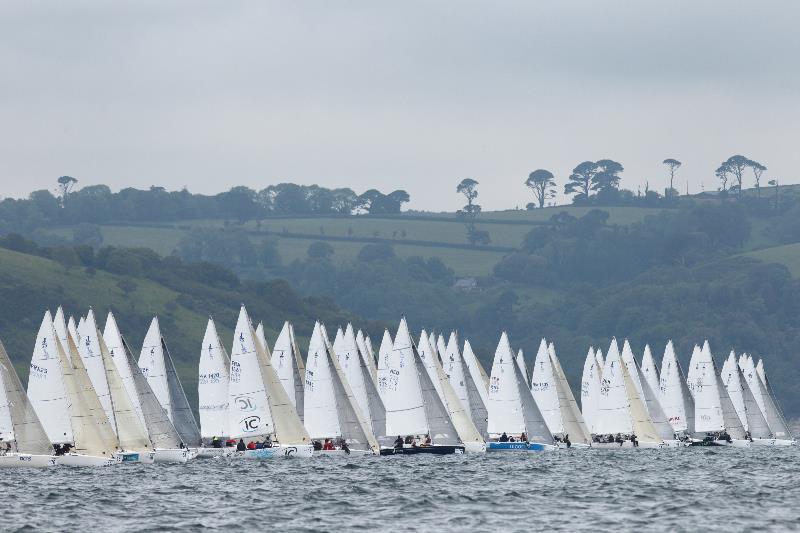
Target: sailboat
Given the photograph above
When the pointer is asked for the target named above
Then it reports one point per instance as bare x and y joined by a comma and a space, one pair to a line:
693, 370
357, 374
715, 414
89, 350
384, 353
331, 412
649, 369
288, 363
258, 404
751, 417
473, 394
25, 442
46, 387
480, 380
512, 409
94, 441
365, 349
467, 431
157, 366
590, 390
675, 397
555, 399
650, 396
413, 405
622, 416
212, 393
758, 385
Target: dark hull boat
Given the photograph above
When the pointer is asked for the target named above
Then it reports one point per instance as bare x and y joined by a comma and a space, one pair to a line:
437, 449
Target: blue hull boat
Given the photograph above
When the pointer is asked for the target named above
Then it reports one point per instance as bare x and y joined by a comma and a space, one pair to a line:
517, 447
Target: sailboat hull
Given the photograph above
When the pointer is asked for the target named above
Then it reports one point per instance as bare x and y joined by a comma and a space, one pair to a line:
282, 450
578, 445
773, 442
75, 459
25, 460
174, 455
341, 453
436, 449
128, 457
210, 453
475, 447
518, 447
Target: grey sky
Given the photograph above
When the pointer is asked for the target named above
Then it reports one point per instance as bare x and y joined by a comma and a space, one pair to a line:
413, 95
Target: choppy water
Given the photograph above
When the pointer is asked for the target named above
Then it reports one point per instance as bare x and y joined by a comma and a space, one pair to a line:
718, 489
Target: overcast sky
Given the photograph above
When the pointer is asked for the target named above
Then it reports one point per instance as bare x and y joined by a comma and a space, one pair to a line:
413, 95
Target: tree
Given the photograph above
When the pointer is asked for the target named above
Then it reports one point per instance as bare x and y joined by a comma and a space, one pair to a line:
580, 181
469, 188
774, 183
320, 250
722, 174
736, 165
606, 178
542, 183
375, 252
757, 169
672, 165
65, 185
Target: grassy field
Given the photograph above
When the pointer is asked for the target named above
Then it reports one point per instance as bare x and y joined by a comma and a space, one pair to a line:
788, 255
439, 228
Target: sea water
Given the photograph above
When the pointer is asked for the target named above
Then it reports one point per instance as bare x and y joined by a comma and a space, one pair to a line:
720, 489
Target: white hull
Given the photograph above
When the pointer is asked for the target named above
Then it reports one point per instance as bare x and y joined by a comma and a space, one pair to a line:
75, 459
474, 447
341, 453
282, 450
773, 442
579, 445
175, 455
24, 460
676, 443
629, 444
128, 456
211, 453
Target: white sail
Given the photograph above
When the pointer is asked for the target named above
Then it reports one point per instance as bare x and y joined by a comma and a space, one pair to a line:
601, 362
756, 423
405, 412
151, 362
18, 421
91, 428
572, 422
248, 409
62, 330
262, 337
730, 378
613, 414
454, 369
641, 422
432, 343
649, 370
512, 409
182, 415
633, 367
321, 417
762, 391
590, 391
46, 386
714, 410
129, 426
384, 353
543, 388
429, 359
346, 352
523, 367
676, 399
476, 390
368, 358
92, 359
287, 427
161, 431
114, 343
691, 374
289, 366
212, 385
476, 371
72, 329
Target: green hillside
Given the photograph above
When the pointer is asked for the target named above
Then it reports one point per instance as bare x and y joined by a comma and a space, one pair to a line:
30, 284
787, 255
426, 235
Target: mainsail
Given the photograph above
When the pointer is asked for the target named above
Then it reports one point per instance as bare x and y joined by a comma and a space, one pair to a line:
384, 353
405, 412
18, 420
89, 349
289, 365
114, 344
714, 410
454, 369
321, 416
46, 386
572, 421
676, 399
613, 414
590, 390
649, 370
543, 387
346, 352
212, 384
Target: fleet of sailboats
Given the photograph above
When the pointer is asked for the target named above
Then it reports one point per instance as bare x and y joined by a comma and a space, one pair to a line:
90, 402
